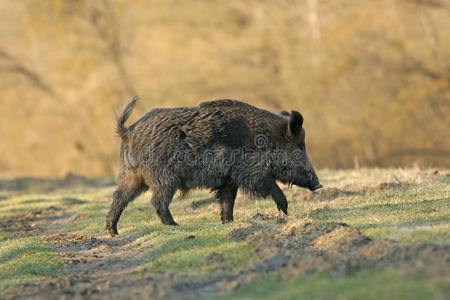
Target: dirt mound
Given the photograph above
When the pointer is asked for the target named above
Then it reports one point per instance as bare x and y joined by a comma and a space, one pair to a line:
241, 233
338, 249
341, 241
376, 250
258, 224
307, 232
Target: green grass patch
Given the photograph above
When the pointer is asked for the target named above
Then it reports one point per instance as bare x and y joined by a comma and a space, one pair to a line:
365, 285
196, 251
26, 203
25, 260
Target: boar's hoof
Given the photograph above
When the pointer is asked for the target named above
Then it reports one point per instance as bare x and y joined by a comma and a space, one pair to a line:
226, 221
171, 223
283, 208
112, 229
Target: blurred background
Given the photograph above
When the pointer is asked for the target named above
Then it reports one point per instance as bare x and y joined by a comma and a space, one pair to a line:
372, 78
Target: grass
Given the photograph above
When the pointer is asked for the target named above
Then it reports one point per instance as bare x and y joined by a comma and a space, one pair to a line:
410, 214
415, 212
24, 260
365, 285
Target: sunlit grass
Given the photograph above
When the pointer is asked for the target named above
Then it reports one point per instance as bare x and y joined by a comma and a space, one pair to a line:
411, 213
24, 260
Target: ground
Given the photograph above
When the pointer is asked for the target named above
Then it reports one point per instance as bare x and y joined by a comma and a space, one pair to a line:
369, 234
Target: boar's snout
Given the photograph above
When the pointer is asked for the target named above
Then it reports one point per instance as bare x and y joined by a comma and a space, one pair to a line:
314, 184
316, 187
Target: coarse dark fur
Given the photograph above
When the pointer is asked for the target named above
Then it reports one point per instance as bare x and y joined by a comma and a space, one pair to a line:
222, 145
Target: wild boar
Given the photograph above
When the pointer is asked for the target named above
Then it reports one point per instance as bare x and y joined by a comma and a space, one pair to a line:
223, 145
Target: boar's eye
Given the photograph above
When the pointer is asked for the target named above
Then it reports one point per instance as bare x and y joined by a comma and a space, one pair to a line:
302, 147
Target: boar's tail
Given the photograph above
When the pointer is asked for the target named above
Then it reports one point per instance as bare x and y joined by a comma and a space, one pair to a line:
122, 118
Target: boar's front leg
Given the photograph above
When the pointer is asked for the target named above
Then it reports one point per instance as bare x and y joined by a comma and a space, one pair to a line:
270, 188
161, 199
279, 198
226, 196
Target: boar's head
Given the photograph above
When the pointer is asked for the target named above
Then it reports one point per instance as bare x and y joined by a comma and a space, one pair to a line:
293, 166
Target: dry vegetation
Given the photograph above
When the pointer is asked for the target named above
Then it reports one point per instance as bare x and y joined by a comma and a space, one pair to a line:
371, 77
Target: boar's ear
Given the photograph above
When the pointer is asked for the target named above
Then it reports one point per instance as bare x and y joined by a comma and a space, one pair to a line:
295, 123
284, 113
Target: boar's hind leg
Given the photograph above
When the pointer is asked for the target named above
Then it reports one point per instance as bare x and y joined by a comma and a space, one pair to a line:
121, 197
226, 196
161, 199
